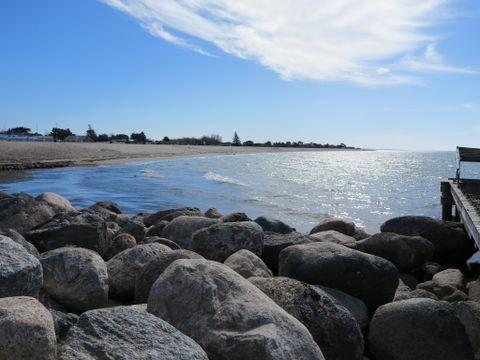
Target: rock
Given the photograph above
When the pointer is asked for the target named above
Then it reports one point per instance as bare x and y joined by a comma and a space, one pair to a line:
405, 252
26, 330
118, 244
23, 212
151, 271
56, 201
443, 292
169, 215
82, 229
404, 292
409, 280
124, 267
19, 239
157, 229
469, 314
221, 240
473, 288
107, 215
227, 315
332, 326
333, 237
360, 234
452, 277
213, 213
20, 271
340, 225
134, 228
273, 225
356, 306
159, 240
273, 243
109, 205
126, 332
235, 217
418, 329
429, 269
247, 264
370, 278
451, 242
181, 229
75, 277
62, 322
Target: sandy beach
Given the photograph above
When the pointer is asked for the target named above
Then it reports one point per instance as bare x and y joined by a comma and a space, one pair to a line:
28, 155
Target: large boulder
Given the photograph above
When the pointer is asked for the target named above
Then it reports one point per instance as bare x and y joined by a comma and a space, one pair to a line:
332, 326
333, 236
273, 243
126, 332
82, 229
418, 329
115, 244
404, 292
213, 213
227, 315
19, 239
125, 266
26, 330
20, 271
469, 314
157, 229
443, 291
153, 269
450, 239
135, 228
56, 201
23, 212
181, 229
159, 240
62, 321
75, 277
169, 215
273, 225
235, 217
247, 264
340, 225
405, 252
367, 277
219, 241
452, 277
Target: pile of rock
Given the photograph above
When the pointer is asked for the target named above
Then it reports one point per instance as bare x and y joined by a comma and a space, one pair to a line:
182, 284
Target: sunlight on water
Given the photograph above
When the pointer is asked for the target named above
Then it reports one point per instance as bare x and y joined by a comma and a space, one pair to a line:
299, 188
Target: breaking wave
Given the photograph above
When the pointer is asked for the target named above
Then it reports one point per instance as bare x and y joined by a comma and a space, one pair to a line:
222, 179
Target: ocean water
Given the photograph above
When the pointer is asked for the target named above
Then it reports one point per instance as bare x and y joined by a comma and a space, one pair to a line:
300, 188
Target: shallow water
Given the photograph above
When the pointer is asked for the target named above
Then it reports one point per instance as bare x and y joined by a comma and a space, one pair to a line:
300, 188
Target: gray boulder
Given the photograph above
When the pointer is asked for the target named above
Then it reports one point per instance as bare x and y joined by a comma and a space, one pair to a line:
247, 264
227, 315
126, 332
75, 277
273, 225
473, 288
235, 217
63, 322
159, 240
169, 215
450, 239
26, 330
23, 212
213, 213
124, 267
333, 236
443, 292
405, 252
134, 228
469, 314
332, 326
452, 277
113, 245
19, 239
109, 205
370, 278
56, 201
181, 229
404, 292
273, 243
340, 225
153, 269
157, 229
20, 271
221, 240
82, 229
418, 329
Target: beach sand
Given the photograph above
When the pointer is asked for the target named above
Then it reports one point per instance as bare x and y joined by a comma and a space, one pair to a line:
16, 155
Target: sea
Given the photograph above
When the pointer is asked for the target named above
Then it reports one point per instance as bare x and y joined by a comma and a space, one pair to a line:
300, 188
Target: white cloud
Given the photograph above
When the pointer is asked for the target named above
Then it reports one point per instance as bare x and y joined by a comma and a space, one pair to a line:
342, 40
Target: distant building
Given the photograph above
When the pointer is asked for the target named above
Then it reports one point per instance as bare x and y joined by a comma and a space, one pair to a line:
19, 137
78, 139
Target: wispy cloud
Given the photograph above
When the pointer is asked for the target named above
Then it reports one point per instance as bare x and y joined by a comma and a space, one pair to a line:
368, 42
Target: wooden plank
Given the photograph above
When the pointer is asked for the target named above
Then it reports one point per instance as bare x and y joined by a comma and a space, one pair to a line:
467, 212
468, 154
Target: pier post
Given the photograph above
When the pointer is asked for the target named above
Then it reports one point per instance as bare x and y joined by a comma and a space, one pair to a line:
447, 201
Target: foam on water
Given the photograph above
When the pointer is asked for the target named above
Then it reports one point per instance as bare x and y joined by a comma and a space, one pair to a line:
209, 175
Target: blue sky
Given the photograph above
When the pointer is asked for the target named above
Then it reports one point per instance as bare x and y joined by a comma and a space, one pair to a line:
399, 76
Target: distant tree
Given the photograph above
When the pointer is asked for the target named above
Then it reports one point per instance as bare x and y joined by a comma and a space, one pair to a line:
236, 140
248, 143
139, 137
91, 134
20, 130
166, 139
60, 134
121, 137
103, 138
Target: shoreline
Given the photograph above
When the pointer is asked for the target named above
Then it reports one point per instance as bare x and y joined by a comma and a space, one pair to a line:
21, 156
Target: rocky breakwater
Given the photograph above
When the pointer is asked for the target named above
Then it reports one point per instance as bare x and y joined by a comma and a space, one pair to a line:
96, 283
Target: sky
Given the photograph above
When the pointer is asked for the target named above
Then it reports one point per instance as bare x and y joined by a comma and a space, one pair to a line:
389, 74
